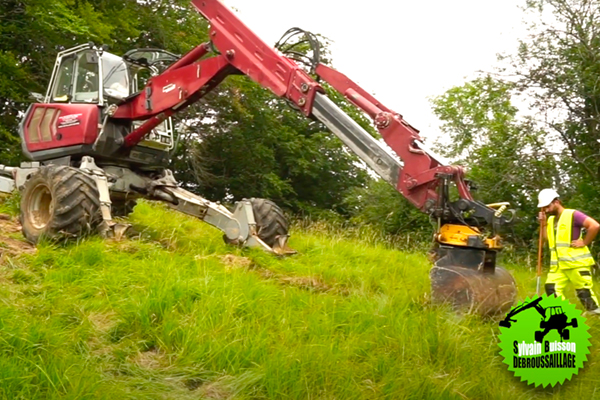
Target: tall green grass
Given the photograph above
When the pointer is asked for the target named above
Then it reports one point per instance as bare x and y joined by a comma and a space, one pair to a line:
174, 313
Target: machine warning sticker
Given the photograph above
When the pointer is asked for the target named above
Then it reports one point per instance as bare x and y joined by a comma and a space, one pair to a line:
544, 341
65, 121
168, 88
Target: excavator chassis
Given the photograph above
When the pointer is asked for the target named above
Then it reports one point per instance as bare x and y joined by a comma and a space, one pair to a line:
239, 226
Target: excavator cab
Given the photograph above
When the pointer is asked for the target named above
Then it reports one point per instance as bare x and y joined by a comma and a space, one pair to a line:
87, 83
85, 74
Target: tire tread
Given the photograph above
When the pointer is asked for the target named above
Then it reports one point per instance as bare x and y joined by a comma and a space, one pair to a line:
76, 203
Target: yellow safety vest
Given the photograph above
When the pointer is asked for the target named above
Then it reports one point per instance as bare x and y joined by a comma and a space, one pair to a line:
561, 253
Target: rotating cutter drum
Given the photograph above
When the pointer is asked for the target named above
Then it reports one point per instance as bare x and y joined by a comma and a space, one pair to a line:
468, 280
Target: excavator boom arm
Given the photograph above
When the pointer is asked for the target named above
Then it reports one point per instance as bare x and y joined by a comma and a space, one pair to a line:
417, 174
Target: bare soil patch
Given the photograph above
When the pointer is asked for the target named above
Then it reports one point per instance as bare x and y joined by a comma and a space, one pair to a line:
10, 243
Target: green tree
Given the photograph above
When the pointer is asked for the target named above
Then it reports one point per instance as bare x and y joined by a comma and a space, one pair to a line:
558, 66
254, 144
380, 205
505, 155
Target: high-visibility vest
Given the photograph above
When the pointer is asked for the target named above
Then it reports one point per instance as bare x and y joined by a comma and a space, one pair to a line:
561, 253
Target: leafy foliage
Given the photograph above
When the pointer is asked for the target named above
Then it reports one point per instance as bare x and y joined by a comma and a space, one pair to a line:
554, 73
558, 66
505, 155
254, 144
380, 205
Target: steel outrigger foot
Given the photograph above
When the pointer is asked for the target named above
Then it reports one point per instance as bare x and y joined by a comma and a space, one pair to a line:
239, 227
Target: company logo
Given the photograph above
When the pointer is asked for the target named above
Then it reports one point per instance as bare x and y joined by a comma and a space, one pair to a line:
65, 121
544, 341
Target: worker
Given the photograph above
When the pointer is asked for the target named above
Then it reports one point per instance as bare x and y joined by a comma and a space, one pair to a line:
570, 257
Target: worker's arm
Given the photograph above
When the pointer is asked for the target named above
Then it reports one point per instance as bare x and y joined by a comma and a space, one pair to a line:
592, 227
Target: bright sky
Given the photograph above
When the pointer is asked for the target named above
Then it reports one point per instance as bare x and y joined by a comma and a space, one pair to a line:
401, 51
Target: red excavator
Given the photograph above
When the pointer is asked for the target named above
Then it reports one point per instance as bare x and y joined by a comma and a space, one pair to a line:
98, 137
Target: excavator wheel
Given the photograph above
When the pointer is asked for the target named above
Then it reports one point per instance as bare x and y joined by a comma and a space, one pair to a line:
59, 202
270, 220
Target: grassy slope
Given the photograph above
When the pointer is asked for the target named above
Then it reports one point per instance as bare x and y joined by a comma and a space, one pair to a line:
177, 314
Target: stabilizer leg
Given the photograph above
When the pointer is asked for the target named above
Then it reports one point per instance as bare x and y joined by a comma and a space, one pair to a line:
239, 227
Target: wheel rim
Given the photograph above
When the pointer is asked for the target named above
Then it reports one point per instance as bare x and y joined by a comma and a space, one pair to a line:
40, 207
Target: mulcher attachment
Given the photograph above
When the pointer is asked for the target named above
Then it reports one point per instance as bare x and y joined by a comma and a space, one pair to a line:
468, 279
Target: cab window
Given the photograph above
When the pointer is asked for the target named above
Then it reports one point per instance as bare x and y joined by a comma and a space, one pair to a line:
64, 81
86, 78
116, 76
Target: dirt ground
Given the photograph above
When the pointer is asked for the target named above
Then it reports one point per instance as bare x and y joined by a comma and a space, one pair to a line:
12, 242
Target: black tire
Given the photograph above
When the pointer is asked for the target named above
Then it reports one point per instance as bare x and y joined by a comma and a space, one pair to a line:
565, 334
270, 220
574, 322
59, 202
122, 208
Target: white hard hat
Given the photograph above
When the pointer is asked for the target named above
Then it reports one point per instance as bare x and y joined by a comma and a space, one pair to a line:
546, 196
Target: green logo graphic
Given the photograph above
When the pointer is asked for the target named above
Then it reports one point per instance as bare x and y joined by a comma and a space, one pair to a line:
544, 340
